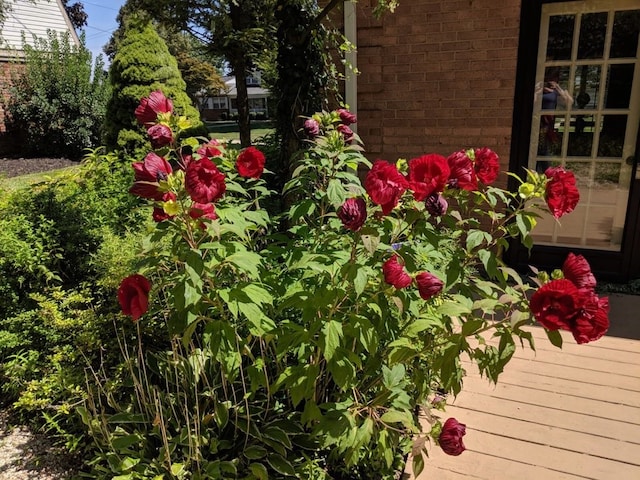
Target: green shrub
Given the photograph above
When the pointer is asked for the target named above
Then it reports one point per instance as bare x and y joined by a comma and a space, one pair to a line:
57, 104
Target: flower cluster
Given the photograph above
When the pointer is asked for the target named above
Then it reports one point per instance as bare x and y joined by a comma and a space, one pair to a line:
191, 187
428, 177
395, 274
570, 303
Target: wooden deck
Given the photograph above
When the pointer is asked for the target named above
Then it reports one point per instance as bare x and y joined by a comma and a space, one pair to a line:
555, 414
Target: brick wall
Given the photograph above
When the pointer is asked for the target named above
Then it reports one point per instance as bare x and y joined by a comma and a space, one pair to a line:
437, 76
7, 72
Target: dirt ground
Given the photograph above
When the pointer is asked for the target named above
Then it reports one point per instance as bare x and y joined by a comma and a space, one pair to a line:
15, 167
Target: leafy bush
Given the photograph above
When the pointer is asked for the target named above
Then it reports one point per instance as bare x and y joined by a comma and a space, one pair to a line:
63, 245
314, 352
57, 104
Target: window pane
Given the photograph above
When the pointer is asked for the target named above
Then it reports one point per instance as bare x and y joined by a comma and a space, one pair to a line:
612, 135
619, 86
552, 97
550, 136
593, 29
580, 136
560, 37
626, 26
586, 87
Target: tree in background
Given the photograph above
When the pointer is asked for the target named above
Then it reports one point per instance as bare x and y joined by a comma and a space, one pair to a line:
58, 102
76, 14
142, 63
200, 71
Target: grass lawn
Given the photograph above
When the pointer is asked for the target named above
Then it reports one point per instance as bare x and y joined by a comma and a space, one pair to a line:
16, 183
229, 130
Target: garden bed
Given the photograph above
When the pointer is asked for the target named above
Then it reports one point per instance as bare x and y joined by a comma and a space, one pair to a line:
15, 167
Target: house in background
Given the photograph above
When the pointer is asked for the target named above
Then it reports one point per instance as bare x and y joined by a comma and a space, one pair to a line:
223, 105
442, 75
27, 18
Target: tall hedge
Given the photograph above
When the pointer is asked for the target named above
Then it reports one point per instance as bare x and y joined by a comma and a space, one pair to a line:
142, 63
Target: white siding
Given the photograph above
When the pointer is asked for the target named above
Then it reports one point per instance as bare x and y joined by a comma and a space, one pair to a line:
33, 18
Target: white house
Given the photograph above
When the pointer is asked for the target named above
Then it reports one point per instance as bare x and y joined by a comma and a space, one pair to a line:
223, 106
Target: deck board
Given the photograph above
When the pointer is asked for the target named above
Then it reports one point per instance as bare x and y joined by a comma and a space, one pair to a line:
555, 414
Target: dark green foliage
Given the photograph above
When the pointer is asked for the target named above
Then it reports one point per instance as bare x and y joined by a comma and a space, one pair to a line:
57, 104
142, 64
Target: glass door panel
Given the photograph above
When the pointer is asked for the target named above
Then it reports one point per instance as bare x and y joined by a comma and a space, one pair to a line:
585, 115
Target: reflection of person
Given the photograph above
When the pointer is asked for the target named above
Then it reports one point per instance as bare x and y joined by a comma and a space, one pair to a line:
553, 96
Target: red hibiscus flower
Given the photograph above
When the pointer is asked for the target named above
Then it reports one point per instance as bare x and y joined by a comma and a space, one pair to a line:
148, 174
353, 213
210, 149
160, 135
395, 274
428, 285
486, 165
346, 116
250, 163
385, 185
561, 193
592, 320
450, 439
462, 174
204, 182
577, 269
133, 296
147, 112
556, 303
428, 174
159, 214
203, 210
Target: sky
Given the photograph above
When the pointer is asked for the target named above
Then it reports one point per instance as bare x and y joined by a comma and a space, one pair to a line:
101, 22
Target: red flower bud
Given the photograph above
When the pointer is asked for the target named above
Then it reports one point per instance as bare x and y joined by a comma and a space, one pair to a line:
428, 285
450, 439
353, 213
160, 135
395, 274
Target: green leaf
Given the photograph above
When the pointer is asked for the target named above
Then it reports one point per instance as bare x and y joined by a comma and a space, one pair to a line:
119, 443
336, 193
418, 464
255, 452
395, 416
476, 238
452, 308
281, 465
247, 262
259, 471
490, 262
394, 376
332, 331
554, 337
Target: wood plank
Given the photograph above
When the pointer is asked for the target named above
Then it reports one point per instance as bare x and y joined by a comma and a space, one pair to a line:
561, 371
562, 402
550, 436
548, 415
595, 391
606, 342
478, 465
556, 459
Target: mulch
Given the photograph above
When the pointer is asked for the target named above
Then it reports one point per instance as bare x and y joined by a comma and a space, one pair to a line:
15, 167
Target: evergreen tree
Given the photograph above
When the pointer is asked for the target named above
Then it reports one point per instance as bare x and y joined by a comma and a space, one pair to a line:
142, 63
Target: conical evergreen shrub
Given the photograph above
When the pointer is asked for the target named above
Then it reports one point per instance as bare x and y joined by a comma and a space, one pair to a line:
142, 64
